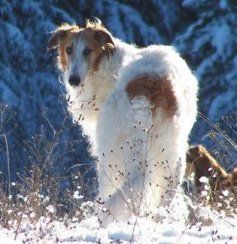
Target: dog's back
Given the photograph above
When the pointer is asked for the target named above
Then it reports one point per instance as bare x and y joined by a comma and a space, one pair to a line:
143, 130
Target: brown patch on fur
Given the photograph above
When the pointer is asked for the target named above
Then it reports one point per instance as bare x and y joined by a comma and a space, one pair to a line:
199, 162
60, 33
157, 90
231, 180
99, 40
107, 50
61, 39
234, 177
96, 36
65, 42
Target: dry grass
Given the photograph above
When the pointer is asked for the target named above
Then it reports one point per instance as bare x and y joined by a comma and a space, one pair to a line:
41, 192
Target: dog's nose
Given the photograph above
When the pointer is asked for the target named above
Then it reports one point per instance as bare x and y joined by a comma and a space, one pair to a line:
74, 80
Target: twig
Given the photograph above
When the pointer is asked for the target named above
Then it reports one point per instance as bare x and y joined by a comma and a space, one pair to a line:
140, 200
20, 219
218, 129
8, 163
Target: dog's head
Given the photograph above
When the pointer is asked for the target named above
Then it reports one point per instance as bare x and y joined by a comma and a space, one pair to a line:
80, 50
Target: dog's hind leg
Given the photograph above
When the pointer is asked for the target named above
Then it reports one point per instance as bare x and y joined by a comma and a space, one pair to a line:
129, 199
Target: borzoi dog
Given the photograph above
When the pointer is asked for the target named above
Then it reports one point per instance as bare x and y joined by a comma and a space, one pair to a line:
137, 107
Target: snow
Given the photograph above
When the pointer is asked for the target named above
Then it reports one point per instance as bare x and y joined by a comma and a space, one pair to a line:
145, 231
203, 179
223, 4
221, 36
225, 193
6, 238
221, 103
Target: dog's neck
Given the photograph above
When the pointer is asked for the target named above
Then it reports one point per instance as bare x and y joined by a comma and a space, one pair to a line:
100, 83
106, 76
86, 105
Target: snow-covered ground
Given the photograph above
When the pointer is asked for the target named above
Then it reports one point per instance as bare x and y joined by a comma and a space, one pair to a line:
221, 230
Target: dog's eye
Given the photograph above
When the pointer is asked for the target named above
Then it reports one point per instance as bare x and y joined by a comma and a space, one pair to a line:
69, 50
86, 51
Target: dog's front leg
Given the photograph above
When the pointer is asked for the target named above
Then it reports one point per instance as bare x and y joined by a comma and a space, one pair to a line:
125, 202
130, 198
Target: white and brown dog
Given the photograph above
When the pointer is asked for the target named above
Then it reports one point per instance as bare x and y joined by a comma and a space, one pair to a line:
137, 106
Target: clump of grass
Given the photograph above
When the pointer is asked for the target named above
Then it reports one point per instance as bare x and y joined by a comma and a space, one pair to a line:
40, 190
37, 196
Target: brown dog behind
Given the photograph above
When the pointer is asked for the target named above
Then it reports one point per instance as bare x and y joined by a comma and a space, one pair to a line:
202, 163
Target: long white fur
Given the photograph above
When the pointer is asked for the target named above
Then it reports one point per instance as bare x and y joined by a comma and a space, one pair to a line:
149, 151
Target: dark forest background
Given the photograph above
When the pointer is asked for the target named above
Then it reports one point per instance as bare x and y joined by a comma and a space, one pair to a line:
34, 123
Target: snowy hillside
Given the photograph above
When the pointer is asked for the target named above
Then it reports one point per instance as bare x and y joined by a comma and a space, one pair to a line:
88, 231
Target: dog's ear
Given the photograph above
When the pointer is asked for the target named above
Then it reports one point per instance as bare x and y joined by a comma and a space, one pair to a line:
194, 153
104, 38
189, 156
106, 46
59, 34
55, 38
